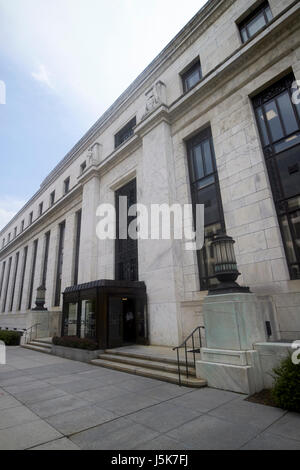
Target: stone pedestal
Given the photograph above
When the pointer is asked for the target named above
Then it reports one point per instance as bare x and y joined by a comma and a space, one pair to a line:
233, 324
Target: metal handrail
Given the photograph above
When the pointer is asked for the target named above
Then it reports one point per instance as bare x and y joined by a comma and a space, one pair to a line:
194, 351
30, 329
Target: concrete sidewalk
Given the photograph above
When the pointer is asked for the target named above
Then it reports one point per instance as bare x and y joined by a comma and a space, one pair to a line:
52, 403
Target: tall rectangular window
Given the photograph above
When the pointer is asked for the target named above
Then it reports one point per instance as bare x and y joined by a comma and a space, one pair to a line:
46, 256
30, 218
22, 225
191, 76
205, 190
125, 133
23, 276
278, 120
14, 282
35, 247
40, 208
60, 259
67, 185
6, 284
52, 198
255, 21
2, 277
77, 247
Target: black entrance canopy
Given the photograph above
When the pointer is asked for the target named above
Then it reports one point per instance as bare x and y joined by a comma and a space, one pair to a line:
113, 313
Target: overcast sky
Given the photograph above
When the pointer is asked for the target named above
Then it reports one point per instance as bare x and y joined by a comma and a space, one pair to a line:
64, 62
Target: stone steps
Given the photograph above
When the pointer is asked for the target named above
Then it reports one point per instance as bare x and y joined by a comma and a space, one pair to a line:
148, 365
42, 346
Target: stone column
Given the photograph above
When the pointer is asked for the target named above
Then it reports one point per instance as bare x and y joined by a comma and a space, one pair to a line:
158, 259
88, 255
52, 267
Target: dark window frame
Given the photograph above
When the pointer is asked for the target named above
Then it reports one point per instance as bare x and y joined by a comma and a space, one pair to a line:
46, 257
7, 284
243, 24
272, 156
191, 144
186, 74
41, 205
33, 266
66, 185
14, 281
52, 198
125, 133
23, 277
2, 277
60, 260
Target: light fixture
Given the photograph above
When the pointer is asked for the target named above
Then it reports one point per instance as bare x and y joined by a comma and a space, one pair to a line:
226, 270
40, 298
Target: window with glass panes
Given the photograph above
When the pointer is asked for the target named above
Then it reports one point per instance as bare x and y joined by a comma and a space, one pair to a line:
278, 120
192, 76
255, 21
205, 190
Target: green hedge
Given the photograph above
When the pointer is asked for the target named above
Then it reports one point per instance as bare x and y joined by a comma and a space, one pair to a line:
10, 338
286, 389
75, 342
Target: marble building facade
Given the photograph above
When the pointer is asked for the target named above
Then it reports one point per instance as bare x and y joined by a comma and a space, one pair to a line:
169, 108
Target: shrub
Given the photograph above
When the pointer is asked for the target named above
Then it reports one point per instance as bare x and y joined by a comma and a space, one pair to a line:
10, 338
286, 389
75, 342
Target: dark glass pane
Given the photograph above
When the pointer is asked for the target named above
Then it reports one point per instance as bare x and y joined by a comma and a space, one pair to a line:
193, 78
268, 13
208, 197
262, 126
207, 157
288, 240
288, 164
198, 162
256, 24
288, 142
205, 182
273, 121
244, 34
70, 321
287, 113
88, 319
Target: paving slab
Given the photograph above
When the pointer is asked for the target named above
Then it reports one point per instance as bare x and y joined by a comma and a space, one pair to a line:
99, 395
27, 435
121, 434
80, 419
161, 443
128, 403
288, 426
268, 441
59, 444
210, 433
15, 416
57, 405
242, 411
39, 395
164, 417
205, 399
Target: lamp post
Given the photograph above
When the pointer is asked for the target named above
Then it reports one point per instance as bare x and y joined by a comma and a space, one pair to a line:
40, 299
226, 270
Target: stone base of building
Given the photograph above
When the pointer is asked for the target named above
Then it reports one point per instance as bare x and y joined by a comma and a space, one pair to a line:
48, 323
